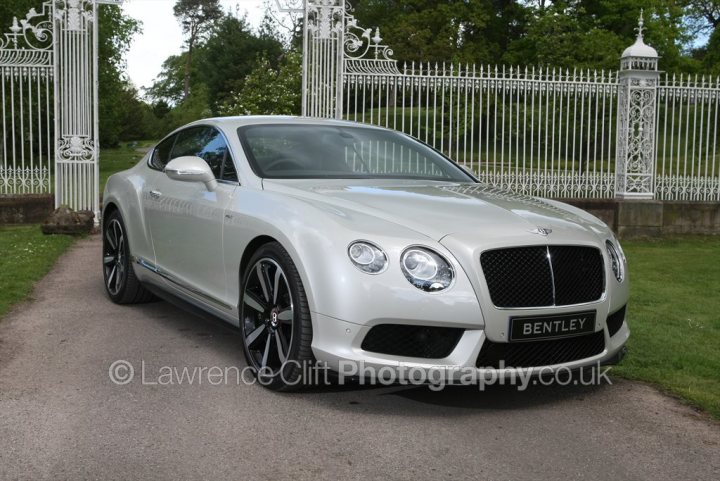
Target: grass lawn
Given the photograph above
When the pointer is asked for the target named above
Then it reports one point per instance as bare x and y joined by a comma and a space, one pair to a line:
121, 158
674, 317
27, 255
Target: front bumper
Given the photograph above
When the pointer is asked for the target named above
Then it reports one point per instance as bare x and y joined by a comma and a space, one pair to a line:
338, 344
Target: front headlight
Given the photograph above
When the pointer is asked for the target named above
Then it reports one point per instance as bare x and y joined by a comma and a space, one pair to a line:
367, 257
616, 260
426, 269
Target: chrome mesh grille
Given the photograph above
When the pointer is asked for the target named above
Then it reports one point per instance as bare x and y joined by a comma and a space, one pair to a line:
539, 276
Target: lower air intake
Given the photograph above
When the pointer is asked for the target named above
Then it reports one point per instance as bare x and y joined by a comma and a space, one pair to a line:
540, 353
412, 341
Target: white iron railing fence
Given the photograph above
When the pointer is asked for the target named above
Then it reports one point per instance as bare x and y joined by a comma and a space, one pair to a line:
26, 93
48, 92
634, 133
688, 159
542, 132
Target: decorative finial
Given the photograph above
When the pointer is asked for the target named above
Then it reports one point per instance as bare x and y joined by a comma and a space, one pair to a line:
641, 26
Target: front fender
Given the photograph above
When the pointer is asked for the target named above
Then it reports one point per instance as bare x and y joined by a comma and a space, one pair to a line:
124, 191
317, 236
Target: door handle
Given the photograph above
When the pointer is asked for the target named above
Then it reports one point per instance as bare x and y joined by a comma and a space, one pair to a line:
155, 194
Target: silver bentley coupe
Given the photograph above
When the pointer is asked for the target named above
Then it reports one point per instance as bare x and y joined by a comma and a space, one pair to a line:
334, 242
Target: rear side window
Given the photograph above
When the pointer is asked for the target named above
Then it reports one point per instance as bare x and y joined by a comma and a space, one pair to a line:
161, 154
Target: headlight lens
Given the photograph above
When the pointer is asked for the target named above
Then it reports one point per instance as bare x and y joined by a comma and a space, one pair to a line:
616, 261
426, 269
367, 257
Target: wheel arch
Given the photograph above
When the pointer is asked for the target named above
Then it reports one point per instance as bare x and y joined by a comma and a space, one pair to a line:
108, 209
251, 248
267, 236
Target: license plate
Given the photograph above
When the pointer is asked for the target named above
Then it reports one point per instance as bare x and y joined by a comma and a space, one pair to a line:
552, 326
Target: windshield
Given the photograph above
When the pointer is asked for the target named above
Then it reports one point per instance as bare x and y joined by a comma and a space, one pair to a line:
281, 151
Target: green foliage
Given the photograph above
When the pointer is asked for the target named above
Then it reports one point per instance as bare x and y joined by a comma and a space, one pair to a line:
711, 60
220, 65
168, 86
27, 255
558, 40
230, 54
452, 30
194, 107
562, 33
118, 100
15, 8
196, 17
268, 90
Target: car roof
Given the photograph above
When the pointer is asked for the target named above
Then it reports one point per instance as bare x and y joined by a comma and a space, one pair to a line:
240, 121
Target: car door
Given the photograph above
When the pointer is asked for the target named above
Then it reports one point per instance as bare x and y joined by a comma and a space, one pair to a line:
186, 219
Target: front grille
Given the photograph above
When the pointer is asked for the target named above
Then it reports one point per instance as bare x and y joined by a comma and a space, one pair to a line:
615, 321
540, 353
412, 341
538, 276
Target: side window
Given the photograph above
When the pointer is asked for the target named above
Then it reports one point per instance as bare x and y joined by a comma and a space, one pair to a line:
161, 154
208, 144
229, 173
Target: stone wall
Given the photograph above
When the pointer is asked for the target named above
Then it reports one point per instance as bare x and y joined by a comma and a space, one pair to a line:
632, 219
25, 209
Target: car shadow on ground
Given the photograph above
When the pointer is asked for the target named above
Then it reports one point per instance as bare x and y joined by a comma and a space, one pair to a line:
224, 339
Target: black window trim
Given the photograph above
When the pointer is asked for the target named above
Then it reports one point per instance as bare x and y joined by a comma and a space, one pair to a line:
177, 133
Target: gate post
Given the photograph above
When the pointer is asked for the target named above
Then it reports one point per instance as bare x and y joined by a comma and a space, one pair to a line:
323, 55
637, 110
76, 105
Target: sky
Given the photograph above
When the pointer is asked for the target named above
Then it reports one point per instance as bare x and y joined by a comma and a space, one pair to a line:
162, 37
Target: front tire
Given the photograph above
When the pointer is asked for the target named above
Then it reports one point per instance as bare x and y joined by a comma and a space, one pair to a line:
275, 320
121, 284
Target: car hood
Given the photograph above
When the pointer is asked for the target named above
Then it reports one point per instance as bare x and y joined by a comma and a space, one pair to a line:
438, 209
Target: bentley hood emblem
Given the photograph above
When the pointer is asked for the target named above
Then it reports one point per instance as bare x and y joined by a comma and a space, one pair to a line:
541, 231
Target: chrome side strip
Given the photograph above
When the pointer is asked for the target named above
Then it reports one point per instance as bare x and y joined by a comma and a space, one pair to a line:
157, 270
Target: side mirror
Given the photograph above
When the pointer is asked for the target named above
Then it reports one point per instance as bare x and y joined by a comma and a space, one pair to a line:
191, 169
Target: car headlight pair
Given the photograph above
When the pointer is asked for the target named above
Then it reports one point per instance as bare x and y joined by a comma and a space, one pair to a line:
423, 268
617, 259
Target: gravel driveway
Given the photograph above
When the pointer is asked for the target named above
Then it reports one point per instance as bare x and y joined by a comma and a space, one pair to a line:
62, 418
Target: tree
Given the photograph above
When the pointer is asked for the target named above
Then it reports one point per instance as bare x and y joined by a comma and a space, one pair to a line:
196, 19
220, 64
230, 54
452, 30
269, 91
168, 87
562, 33
115, 35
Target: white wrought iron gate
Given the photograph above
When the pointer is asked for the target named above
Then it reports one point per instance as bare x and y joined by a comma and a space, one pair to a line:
27, 93
634, 133
48, 81
76, 100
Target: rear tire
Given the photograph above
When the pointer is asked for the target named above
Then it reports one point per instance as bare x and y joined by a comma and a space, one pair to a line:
121, 283
275, 321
